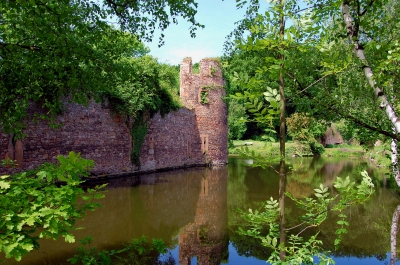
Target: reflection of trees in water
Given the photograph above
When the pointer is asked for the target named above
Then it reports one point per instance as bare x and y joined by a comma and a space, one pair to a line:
369, 230
237, 190
248, 246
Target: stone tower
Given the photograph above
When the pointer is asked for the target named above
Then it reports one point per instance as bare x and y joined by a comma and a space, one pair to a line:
204, 92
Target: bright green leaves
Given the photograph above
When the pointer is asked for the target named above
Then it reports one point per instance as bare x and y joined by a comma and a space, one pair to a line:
322, 192
69, 238
301, 250
268, 214
57, 49
304, 129
272, 95
263, 111
34, 201
342, 230
355, 194
4, 184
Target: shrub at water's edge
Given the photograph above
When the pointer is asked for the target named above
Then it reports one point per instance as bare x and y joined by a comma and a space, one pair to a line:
43, 203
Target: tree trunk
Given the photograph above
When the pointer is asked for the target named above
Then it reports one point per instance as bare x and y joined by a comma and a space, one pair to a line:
282, 190
282, 174
352, 33
395, 162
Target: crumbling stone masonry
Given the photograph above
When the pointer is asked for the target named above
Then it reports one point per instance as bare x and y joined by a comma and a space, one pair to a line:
195, 134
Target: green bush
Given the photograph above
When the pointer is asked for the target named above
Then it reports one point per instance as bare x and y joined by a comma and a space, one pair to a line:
317, 149
236, 120
34, 205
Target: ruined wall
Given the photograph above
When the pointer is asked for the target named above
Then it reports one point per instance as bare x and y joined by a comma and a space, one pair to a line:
212, 117
91, 130
195, 134
172, 141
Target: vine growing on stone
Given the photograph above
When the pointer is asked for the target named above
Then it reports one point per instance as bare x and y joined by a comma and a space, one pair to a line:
151, 88
204, 97
139, 130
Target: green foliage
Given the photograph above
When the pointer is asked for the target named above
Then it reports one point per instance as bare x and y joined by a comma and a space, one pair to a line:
8, 163
301, 250
147, 88
204, 93
35, 204
138, 132
204, 97
51, 50
302, 127
138, 251
322, 75
305, 130
196, 68
264, 108
213, 70
317, 149
91, 256
236, 120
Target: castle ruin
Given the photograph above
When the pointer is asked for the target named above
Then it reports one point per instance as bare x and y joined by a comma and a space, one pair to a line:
196, 134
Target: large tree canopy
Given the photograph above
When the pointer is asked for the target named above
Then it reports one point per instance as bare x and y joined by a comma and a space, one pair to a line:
51, 49
324, 73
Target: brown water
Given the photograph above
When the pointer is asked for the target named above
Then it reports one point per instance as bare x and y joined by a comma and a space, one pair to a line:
195, 212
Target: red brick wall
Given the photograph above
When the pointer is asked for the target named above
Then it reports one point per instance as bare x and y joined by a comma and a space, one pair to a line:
91, 131
193, 135
172, 141
211, 118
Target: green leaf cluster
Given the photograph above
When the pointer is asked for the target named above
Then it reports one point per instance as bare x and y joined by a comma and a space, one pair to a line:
138, 251
322, 75
236, 120
264, 222
52, 50
43, 203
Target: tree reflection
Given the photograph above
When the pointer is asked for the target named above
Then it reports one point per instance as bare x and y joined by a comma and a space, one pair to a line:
368, 231
282, 190
393, 235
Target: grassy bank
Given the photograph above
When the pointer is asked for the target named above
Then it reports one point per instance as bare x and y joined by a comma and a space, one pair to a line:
378, 155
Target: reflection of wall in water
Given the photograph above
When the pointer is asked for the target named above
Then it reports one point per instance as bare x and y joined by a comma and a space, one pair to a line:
206, 238
156, 206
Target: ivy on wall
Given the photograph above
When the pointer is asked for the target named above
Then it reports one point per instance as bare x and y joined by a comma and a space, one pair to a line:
139, 131
204, 97
148, 89
205, 91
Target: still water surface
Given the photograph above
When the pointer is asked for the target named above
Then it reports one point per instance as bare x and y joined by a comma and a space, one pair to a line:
195, 212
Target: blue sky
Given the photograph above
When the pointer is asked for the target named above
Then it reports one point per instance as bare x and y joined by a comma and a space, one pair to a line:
218, 17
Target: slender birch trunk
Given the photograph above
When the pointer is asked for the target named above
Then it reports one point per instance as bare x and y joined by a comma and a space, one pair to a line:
395, 162
353, 34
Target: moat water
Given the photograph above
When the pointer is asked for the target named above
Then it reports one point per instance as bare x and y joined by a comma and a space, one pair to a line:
195, 212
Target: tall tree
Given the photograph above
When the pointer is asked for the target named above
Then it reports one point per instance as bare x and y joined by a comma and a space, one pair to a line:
51, 49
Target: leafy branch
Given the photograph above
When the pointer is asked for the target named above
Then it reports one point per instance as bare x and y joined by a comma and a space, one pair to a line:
299, 250
35, 199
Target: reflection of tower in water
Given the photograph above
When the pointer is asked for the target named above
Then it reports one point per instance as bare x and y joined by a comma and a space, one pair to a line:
206, 238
